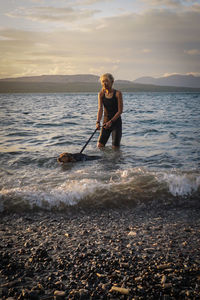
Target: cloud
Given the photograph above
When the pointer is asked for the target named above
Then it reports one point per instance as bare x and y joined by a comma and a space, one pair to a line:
190, 73
163, 4
169, 74
146, 50
90, 2
196, 7
53, 14
130, 45
173, 5
197, 74
192, 52
169, 3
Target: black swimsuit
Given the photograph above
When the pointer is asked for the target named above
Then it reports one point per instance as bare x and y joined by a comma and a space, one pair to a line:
110, 109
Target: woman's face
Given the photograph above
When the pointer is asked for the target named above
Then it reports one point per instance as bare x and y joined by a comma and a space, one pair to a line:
106, 83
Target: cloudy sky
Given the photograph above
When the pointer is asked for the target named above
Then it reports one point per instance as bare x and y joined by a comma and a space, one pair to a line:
129, 38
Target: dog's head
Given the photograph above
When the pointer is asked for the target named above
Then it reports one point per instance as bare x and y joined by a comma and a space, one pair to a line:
66, 158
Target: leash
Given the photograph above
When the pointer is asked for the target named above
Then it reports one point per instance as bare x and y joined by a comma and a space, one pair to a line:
88, 141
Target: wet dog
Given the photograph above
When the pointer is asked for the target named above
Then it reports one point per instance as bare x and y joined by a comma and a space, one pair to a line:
74, 157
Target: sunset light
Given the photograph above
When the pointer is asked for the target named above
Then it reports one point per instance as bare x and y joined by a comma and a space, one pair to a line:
129, 38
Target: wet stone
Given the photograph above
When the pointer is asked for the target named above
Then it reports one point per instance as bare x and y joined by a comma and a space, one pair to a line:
100, 260
59, 295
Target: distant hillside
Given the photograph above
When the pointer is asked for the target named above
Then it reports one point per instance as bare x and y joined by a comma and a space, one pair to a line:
189, 81
55, 78
77, 83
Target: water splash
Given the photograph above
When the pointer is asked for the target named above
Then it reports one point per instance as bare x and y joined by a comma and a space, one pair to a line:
122, 188
182, 185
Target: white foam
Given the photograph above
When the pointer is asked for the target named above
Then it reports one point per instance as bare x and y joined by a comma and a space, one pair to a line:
182, 185
69, 193
126, 183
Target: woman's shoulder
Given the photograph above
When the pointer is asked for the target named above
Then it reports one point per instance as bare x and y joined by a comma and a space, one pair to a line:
118, 93
101, 93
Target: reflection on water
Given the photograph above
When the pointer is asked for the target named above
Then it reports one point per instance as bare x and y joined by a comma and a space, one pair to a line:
159, 157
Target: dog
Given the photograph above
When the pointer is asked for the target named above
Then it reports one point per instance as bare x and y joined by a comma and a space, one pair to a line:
75, 157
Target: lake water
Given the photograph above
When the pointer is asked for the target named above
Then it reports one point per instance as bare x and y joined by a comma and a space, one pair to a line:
158, 162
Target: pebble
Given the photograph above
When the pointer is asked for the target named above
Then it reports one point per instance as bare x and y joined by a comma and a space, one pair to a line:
132, 233
119, 290
112, 254
167, 285
59, 295
164, 266
163, 280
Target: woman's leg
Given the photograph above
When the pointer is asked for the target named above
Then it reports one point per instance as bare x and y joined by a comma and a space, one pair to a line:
116, 136
103, 137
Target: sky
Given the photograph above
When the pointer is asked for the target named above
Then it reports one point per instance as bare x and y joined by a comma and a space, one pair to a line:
128, 38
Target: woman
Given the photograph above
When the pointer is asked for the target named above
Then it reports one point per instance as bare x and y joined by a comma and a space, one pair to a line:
109, 100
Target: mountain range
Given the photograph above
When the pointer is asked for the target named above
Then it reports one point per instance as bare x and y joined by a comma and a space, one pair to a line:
172, 80
91, 83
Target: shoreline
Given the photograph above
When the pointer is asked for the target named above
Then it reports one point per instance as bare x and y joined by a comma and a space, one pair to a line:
133, 253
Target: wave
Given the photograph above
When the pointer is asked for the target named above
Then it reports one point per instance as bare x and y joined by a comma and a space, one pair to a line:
123, 189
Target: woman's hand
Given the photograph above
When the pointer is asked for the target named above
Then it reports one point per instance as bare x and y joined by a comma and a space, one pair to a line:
98, 125
107, 125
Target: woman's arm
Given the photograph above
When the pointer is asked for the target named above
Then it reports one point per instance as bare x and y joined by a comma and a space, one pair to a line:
100, 110
120, 106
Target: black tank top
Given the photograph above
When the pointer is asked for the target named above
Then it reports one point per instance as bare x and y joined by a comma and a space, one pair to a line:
110, 107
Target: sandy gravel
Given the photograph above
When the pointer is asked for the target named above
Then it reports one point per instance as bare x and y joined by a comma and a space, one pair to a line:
103, 254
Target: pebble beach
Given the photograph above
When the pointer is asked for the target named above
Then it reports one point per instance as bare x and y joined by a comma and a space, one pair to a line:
135, 253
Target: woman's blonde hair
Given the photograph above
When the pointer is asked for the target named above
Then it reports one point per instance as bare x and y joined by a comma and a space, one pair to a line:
108, 76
